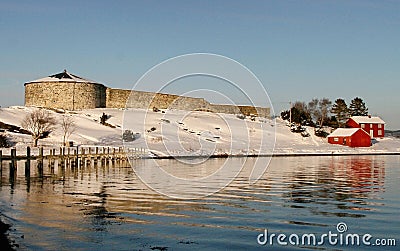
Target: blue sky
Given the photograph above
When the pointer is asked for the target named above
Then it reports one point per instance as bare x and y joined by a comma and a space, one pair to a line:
298, 49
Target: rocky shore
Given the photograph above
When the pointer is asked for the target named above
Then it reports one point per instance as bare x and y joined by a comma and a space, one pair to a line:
5, 243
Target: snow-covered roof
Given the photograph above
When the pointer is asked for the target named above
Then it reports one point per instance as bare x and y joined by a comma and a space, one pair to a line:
64, 76
367, 120
344, 132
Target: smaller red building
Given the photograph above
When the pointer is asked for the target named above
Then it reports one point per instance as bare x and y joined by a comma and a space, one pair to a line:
375, 126
353, 137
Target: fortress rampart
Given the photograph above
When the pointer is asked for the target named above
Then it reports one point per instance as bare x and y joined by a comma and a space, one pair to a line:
118, 98
67, 91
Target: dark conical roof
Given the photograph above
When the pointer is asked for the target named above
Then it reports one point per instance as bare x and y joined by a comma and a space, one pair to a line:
64, 76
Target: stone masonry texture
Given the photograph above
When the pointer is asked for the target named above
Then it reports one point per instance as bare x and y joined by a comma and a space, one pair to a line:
77, 96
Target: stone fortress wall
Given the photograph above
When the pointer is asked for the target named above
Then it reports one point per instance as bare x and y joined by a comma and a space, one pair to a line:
118, 98
70, 92
65, 95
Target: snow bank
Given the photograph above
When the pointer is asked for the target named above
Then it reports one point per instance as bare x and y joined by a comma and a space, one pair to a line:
185, 133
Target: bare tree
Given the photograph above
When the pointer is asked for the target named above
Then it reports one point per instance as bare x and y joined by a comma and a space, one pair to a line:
319, 109
39, 122
68, 127
325, 108
313, 109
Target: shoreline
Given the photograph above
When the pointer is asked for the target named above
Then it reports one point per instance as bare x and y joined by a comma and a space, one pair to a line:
214, 156
294, 154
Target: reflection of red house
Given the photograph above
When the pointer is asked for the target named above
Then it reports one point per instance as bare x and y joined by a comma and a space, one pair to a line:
353, 137
375, 126
363, 174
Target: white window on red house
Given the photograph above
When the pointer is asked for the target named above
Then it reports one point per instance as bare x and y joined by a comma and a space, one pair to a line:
370, 125
379, 132
379, 125
336, 139
362, 125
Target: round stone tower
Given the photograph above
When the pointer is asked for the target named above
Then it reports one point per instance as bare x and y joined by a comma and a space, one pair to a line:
65, 91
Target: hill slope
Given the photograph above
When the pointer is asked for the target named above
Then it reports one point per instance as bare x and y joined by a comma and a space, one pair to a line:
184, 133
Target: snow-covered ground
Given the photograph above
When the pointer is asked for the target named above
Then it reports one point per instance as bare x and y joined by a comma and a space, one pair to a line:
185, 133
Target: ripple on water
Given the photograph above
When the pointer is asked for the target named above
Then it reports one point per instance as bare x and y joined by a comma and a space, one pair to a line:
108, 207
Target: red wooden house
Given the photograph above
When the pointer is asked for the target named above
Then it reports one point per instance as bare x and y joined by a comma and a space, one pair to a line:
353, 137
375, 126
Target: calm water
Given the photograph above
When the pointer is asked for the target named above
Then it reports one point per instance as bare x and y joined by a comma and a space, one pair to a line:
108, 208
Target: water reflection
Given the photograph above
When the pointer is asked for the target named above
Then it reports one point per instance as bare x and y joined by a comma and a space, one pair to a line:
342, 185
100, 206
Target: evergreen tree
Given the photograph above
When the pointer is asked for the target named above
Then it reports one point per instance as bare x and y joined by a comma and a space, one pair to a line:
358, 108
341, 111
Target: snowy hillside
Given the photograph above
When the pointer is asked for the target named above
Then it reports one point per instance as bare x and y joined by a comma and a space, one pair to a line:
184, 133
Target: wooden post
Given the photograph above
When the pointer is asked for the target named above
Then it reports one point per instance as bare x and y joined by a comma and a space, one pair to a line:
77, 156
13, 157
40, 168
1, 159
41, 153
27, 168
13, 167
12, 173
28, 159
13, 153
83, 159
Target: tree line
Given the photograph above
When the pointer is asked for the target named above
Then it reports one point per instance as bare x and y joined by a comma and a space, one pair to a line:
321, 112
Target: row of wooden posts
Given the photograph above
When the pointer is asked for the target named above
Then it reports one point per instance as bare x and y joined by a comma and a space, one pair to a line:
75, 152
71, 157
